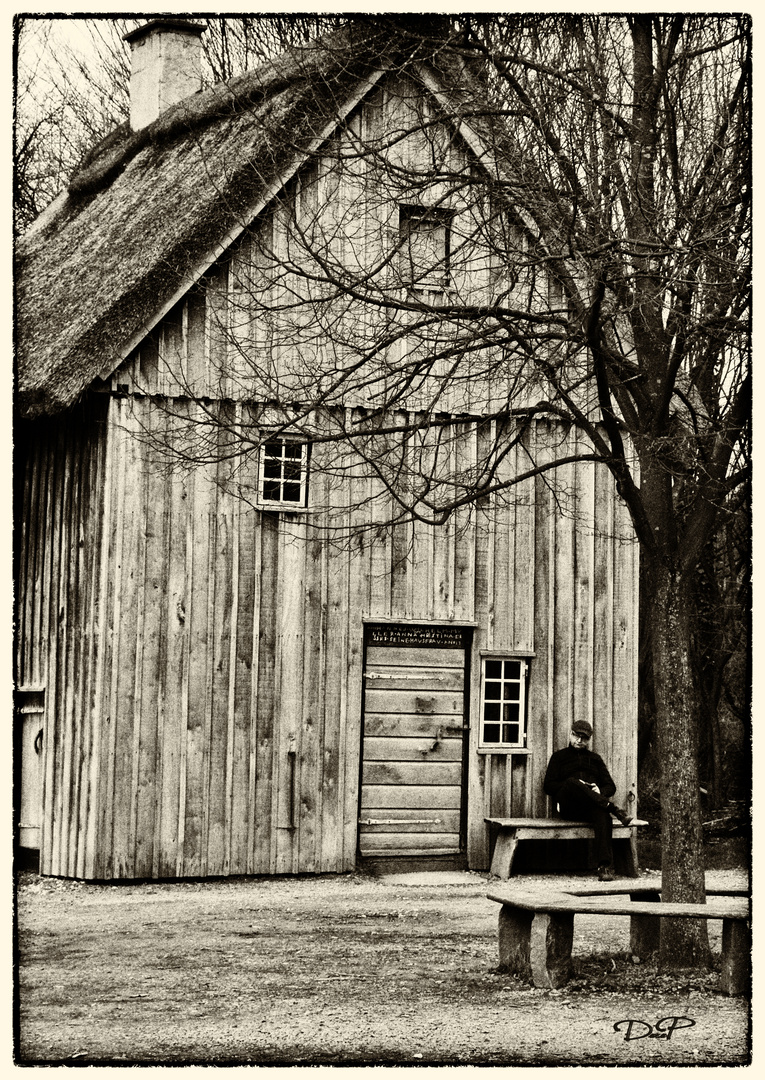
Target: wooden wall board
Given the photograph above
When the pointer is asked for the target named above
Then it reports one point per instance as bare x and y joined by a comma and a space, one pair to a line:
126, 717
411, 797
312, 712
333, 843
150, 670
584, 628
263, 839
412, 772
412, 724
255, 580
412, 749
200, 582
92, 516
173, 687
410, 844
240, 718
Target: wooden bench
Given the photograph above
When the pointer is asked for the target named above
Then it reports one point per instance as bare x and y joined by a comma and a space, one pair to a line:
512, 831
645, 929
536, 931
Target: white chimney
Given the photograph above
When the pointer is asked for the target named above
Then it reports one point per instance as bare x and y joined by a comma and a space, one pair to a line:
166, 67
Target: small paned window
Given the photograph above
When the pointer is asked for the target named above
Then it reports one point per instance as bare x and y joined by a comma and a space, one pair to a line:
503, 703
284, 474
425, 238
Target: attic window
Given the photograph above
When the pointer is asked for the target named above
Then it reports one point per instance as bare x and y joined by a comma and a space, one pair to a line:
283, 479
425, 242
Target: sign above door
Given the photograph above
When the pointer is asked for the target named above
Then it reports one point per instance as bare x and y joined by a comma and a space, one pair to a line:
418, 636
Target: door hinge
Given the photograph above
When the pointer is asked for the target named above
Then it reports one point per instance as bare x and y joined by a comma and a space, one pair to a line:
399, 821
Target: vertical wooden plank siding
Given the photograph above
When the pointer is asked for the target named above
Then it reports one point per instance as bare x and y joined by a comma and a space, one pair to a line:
605, 692
61, 743
172, 716
359, 593
625, 653
110, 608
289, 703
243, 652
199, 584
127, 650
335, 717
202, 659
524, 584
219, 636
562, 626
584, 586
314, 689
72, 670
263, 838
255, 582
84, 666
542, 686
59, 462
49, 525
150, 694
222, 619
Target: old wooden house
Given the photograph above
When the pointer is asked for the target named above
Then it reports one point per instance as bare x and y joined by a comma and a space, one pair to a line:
240, 665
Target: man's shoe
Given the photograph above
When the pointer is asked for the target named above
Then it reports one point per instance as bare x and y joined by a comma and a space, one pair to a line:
620, 815
605, 873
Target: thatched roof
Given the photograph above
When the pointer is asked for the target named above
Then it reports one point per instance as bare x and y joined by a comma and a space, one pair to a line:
149, 212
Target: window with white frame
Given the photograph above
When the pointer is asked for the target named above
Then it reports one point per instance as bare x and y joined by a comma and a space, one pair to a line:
283, 479
425, 238
503, 703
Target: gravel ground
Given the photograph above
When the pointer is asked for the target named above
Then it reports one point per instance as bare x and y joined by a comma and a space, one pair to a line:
339, 970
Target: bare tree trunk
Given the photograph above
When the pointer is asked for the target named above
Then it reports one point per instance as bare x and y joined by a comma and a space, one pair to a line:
684, 942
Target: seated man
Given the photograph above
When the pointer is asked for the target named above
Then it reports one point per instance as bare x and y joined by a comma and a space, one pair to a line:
581, 785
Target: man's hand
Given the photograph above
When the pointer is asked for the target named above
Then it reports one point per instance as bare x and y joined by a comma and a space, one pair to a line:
594, 787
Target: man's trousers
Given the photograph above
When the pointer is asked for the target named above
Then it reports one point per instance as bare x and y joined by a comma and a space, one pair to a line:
578, 802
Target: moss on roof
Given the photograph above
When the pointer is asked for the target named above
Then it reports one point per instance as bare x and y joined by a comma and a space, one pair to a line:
148, 210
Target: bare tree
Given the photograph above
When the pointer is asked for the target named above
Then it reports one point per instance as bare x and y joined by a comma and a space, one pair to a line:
558, 243
594, 269
67, 101
70, 97
234, 45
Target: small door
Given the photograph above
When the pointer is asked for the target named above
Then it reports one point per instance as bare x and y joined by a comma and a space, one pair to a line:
30, 716
412, 753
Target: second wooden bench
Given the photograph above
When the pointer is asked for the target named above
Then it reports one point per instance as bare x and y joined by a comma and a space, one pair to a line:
513, 831
536, 931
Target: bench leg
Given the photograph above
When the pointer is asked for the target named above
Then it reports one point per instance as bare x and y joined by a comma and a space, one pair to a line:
514, 940
632, 870
552, 936
504, 853
644, 930
736, 957
625, 856
536, 946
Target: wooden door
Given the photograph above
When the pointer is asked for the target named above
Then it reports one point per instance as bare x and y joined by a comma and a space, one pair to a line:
412, 754
30, 717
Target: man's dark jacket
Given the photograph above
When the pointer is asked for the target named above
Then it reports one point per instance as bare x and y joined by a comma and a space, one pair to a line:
572, 764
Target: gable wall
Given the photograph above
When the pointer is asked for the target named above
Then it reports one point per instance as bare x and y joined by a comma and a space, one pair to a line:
260, 325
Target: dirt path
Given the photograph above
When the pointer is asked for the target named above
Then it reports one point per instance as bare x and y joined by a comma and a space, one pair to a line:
342, 970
